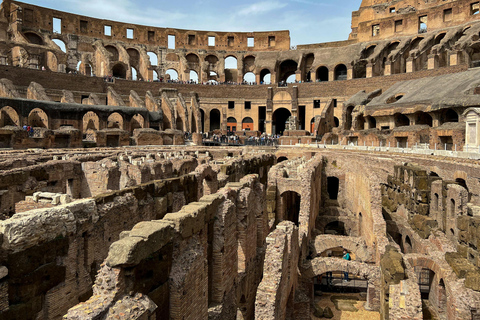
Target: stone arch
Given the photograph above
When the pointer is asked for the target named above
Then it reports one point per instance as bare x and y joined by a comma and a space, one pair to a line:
249, 77
249, 64
137, 122
115, 56
34, 38
322, 74
171, 74
61, 44
291, 206
423, 118
279, 119
215, 119
133, 57
193, 76
207, 180
38, 118
407, 246
9, 117
340, 72
84, 68
91, 122
371, 122
333, 187
401, 120
281, 159
359, 122
232, 124
368, 51
231, 62
450, 115
355, 245
247, 124
115, 121
309, 59
153, 58
286, 69
265, 76
192, 58
119, 70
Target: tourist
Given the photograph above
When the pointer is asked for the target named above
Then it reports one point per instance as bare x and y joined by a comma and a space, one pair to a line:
346, 256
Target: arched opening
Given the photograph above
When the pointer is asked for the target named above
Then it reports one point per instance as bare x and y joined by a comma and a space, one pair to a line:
435, 202
291, 205
231, 62
91, 121
371, 122
368, 52
286, 70
291, 79
308, 63
119, 71
60, 44
423, 118
333, 185
360, 223
214, 120
451, 116
179, 124
247, 124
249, 77
360, 123
212, 77
360, 69
171, 74
248, 64
193, 76
265, 76
312, 125
231, 124
281, 159
114, 53
134, 57
474, 54
439, 38
34, 38
153, 58
341, 72
115, 121
155, 75
9, 117
38, 118
348, 118
231, 72
322, 74
137, 122
336, 122
134, 74
401, 120
408, 248
335, 228
279, 119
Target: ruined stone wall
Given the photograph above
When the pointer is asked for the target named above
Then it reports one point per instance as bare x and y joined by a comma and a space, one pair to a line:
277, 290
195, 252
63, 247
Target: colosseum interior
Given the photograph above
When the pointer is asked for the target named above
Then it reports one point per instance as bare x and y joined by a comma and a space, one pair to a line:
116, 203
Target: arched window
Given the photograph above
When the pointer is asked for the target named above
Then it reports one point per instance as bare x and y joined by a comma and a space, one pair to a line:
61, 44
322, 74
172, 74
341, 72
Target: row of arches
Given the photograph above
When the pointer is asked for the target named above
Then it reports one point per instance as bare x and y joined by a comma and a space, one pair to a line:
90, 121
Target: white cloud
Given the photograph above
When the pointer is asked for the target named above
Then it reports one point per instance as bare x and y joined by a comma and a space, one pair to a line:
261, 7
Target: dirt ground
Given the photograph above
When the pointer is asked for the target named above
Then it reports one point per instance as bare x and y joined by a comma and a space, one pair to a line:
362, 314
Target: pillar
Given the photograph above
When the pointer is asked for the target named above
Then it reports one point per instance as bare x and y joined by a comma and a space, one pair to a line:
349, 73
388, 68
409, 66
432, 61
369, 70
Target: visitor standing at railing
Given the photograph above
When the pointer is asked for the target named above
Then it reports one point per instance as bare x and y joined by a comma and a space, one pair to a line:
346, 256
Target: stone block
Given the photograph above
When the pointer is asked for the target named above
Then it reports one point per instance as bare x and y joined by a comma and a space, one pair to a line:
144, 239
459, 264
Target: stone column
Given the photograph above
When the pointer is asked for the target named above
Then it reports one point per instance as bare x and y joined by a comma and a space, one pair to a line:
388, 68
432, 61
349, 73
410, 67
313, 76
369, 70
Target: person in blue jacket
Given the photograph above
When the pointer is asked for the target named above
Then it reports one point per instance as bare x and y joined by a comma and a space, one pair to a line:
346, 256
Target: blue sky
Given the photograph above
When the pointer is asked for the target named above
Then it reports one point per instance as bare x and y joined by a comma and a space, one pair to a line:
309, 21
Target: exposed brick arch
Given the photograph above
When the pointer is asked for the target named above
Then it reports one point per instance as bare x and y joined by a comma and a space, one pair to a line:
355, 245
